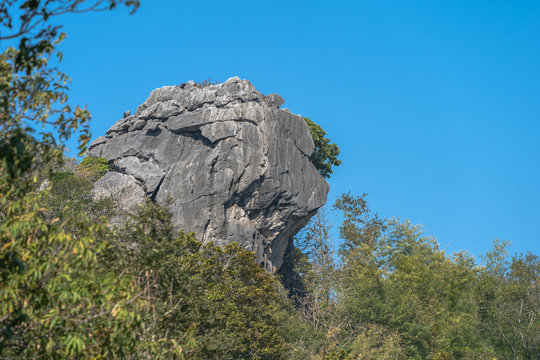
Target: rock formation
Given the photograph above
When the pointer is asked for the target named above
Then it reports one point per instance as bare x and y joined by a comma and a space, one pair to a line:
228, 163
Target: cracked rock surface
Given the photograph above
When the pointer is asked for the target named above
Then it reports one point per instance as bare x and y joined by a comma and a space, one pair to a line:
227, 162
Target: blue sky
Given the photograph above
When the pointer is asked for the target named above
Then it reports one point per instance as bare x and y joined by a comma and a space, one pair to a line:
434, 104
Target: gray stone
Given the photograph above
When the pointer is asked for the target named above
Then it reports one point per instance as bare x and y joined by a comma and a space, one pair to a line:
145, 171
124, 189
274, 100
45, 185
227, 162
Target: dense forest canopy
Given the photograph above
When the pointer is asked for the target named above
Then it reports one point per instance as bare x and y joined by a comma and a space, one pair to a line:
72, 287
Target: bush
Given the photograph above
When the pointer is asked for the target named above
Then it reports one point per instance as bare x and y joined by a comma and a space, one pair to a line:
325, 154
217, 303
92, 168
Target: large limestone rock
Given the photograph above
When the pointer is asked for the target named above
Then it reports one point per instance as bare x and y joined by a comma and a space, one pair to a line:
225, 159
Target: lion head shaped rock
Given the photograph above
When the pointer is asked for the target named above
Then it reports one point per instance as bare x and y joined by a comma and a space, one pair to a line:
227, 162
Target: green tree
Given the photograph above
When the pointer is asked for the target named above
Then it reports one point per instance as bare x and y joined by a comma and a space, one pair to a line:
316, 266
318, 271
363, 268
326, 154
70, 192
216, 303
509, 296
398, 283
376, 342
431, 296
57, 300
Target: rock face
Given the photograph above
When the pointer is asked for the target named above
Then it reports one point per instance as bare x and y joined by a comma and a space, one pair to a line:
228, 163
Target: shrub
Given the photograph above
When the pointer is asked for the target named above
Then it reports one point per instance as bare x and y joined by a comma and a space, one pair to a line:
325, 154
92, 168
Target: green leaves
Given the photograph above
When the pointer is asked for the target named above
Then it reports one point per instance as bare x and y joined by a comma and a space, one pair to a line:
509, 297
56, 294
55, 290
92, 168
326, 154
399, 296
213, 302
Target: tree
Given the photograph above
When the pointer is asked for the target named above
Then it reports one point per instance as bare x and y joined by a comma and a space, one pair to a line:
316, 266
318, 271
69, 190
376, 342
33, 92
216, 303
509, 296
431, 296
399, 288
57, 300
28, 20
363, 268
325, 154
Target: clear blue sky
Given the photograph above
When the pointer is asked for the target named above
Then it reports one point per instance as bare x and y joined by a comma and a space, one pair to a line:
434, 104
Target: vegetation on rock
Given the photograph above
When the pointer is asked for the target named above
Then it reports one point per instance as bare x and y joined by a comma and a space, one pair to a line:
92, 168
326, 154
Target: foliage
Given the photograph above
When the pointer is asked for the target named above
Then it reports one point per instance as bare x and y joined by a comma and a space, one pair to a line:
215, 302
396, 295
326, 154
316, 264
71, 192
72, 287
376, 342
67, 190
398, 289
92, 168
509, 296
53, 305
34, 93
397, 278
56, 299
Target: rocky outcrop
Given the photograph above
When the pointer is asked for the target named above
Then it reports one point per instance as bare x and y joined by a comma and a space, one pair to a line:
225, 159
